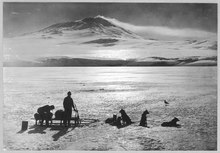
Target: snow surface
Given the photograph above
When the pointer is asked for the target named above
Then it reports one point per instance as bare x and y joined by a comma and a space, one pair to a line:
100, 92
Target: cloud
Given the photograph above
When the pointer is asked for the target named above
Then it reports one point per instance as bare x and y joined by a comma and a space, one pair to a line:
173, 15
163, 31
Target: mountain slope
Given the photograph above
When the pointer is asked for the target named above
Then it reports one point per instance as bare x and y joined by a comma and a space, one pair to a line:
94, 25
100, 38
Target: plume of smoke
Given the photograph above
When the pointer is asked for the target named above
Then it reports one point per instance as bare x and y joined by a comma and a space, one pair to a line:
164, 31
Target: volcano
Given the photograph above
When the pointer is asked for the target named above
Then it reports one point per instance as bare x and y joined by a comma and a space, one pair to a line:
91, 26
97, 40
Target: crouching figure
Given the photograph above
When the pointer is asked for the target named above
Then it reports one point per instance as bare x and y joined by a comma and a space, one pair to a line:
44, 114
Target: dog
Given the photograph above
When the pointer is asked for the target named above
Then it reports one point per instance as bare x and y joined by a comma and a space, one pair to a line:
143, 121
60, 115
37, 118
125, 118
172, 123
47, 117
115, 121
118, 122
111, 120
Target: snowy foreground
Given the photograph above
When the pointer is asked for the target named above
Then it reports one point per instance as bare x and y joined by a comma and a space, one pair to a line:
100, 92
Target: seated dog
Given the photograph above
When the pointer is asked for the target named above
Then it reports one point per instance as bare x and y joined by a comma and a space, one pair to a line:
60, 115
125, 118
143, 121
172, 123
118, 122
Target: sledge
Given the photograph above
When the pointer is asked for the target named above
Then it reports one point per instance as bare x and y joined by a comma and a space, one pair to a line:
76, 119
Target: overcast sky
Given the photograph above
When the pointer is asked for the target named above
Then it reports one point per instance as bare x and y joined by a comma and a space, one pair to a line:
23, 17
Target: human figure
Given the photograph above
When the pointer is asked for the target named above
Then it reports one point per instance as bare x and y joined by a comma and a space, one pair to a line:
68, 105
45, 113
143, 121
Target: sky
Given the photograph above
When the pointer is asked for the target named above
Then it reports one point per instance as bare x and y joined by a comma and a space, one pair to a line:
21, 17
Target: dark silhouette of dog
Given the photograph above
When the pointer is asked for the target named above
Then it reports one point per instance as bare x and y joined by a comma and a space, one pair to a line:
118, 122
166, 103
47, 116
37, 118
111, 120
172, 123
124, 117
115, 121
60, 115
143, 121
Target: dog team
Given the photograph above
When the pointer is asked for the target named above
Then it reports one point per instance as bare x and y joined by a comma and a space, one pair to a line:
44, 113
124, 120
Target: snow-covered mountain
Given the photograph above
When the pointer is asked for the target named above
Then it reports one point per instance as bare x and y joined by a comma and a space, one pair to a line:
101, 41
92, 25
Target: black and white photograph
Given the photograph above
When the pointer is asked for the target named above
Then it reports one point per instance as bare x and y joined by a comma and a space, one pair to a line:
109, 76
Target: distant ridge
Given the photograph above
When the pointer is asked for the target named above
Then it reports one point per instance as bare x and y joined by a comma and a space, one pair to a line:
150, 61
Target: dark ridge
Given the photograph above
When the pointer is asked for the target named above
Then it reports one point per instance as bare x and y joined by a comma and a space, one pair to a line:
163, 58
102, 41
82, 62
201, 42
214, 58
191, 41
65, 61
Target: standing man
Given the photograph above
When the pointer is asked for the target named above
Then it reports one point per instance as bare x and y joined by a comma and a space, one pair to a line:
68, 105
